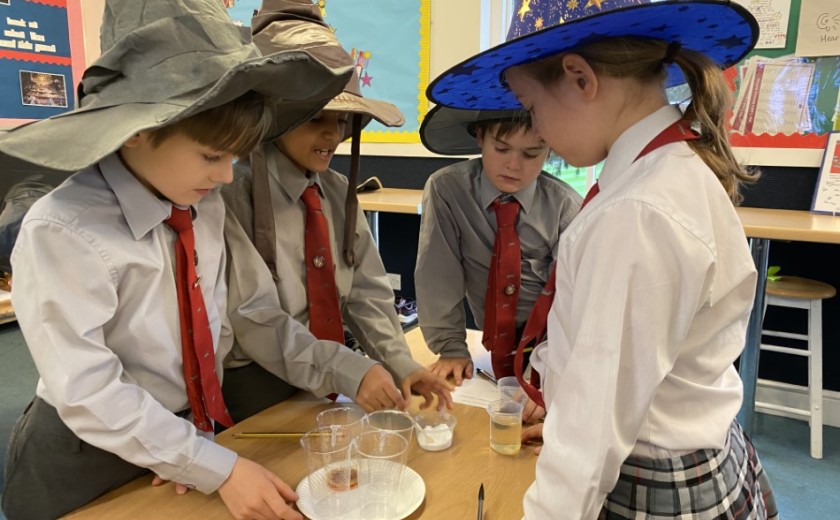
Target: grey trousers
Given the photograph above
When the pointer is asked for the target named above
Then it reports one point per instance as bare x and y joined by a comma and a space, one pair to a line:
251, 389
51, 472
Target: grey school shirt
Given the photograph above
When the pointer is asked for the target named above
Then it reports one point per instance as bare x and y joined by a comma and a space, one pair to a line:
457, 231
270, 319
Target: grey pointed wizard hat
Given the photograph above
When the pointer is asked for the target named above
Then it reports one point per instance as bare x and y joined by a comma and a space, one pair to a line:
451, 131
273, 31
163, 61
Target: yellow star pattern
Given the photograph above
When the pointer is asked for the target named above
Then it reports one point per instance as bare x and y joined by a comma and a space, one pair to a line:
572, 4
524, 9
596, 3
538, 23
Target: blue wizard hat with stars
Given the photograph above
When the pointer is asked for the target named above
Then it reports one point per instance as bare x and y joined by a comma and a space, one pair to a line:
722, 30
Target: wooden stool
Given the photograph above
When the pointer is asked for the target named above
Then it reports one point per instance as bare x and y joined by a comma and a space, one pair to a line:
802, 293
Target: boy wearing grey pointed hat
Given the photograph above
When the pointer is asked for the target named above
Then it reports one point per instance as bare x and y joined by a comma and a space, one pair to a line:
458, 231
655, 284
125, 387
271, 296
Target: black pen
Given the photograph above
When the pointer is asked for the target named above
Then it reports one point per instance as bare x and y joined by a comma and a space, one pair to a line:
481, 501
485, 375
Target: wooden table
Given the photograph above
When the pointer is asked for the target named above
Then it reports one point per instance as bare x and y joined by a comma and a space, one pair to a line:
390, 200
762, 225
452, 476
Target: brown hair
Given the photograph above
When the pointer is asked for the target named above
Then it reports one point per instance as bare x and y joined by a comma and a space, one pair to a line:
236, 127
644, 60
503, 128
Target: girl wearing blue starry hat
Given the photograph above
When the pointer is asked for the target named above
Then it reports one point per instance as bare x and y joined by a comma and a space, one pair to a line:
654, 281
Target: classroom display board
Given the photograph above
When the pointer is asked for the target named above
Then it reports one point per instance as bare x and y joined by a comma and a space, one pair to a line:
827, 192
788, 89
41, 58
389, 42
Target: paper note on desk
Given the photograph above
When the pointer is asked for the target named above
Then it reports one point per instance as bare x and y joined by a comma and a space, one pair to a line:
477, 391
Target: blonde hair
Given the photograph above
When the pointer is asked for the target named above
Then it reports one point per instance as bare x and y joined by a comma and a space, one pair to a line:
237, 127
644, 59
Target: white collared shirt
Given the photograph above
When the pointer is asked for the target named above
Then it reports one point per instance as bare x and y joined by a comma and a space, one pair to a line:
94, 293
655, 284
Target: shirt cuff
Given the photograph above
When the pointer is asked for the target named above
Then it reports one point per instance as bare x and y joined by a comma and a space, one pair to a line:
211, 467
352, 370
455, 350
402, 365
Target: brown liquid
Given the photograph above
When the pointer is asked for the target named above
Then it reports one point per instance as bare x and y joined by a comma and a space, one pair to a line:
337, 479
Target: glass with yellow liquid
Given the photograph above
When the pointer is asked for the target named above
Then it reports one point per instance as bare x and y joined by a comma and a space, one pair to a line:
505, 426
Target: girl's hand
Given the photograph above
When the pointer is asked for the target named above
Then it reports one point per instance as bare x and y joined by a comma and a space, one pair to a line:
533, 432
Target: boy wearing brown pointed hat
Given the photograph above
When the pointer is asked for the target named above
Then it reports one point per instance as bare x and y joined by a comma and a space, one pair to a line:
294, 227
119, 272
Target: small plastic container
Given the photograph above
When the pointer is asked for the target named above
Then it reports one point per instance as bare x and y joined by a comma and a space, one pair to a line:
434, 430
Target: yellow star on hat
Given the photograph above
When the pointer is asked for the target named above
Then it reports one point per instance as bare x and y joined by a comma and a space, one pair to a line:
524, 9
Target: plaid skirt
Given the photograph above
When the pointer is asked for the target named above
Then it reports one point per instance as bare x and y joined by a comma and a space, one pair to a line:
727, 484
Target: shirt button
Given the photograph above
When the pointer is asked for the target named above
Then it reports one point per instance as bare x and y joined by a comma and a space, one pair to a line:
510, 289
319, 262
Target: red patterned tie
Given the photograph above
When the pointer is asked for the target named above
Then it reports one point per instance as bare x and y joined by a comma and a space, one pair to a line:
503, 289
203, 389
537, 324
324, 311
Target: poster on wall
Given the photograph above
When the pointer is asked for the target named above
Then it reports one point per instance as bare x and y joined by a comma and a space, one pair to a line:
41, 58
819, 28
772, 17
389, 42
827, 192
784, 101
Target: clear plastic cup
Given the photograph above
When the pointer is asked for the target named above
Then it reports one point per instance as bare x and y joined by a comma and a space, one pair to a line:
350, 417
435, 429
382, 456
392, 421
509, 389
505, 426
333, 470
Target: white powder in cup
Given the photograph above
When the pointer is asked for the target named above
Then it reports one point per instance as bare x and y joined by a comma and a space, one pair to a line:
435, 438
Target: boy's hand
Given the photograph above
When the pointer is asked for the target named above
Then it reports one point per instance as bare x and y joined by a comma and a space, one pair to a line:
180, 489
458, 368
425, 383
377, 391
252, 492
533, 432
532, 412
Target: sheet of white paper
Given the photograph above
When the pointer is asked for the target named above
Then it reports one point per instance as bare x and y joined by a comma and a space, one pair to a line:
819, 28
477, 391
772, 17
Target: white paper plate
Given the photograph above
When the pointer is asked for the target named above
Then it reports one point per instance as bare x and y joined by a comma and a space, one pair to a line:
412, 493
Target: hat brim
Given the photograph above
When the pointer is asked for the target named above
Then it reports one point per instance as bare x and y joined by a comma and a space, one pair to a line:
448, 131
724, 31
386, 113
299, 84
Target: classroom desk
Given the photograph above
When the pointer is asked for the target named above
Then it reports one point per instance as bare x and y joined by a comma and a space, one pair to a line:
452, 477
391, 200
762, 225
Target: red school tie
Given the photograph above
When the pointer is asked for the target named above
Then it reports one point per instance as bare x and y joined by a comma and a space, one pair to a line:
324, 312
203, 389
537, 324
503, 289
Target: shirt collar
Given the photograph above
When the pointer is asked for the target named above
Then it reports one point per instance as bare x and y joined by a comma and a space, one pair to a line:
488, 193
143, 209
632, 141
292, 182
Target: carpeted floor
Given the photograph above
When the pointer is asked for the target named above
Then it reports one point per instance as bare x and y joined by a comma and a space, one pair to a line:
806, 489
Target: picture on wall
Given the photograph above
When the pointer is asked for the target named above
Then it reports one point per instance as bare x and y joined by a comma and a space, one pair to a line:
43, 89
389, 43
827, 192
41, 58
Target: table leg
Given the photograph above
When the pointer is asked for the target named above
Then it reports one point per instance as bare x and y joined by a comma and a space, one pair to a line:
748, 366
373, 223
